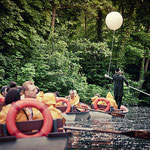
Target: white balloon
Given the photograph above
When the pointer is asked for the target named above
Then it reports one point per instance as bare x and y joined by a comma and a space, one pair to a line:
114, 20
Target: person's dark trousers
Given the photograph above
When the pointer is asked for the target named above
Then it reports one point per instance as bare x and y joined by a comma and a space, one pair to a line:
118, 101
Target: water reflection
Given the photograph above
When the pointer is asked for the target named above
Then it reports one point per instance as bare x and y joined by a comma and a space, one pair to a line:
137, 118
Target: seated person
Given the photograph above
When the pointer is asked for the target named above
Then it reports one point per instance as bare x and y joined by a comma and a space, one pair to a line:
11, 85
95, 98
74, 98
13, 95
50, 100
2, 96
109, 97
29, 90
39, 94
59, 103
3, 91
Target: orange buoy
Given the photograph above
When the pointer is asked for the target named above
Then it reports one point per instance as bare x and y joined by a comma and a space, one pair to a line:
102, 99
11, 124
59, 99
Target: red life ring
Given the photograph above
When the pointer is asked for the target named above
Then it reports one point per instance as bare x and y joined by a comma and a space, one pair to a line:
60, 99
84, 106
10, 120
102, 99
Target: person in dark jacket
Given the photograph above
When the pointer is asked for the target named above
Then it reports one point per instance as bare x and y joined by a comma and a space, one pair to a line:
118, 80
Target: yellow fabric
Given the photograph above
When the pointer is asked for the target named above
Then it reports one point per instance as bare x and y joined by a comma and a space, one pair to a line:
94, 99
3, 114
50, 100
54, 112
39, 96
59, 103
75, 100
110, 98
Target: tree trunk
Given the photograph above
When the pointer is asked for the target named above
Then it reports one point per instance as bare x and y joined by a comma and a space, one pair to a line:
141, 78
85, 24
53, 17
146, 65
99, 25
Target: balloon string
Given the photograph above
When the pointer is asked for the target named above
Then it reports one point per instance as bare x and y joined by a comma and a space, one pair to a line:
111, 52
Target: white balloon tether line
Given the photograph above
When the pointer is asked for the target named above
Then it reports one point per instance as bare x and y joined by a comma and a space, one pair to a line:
111, 53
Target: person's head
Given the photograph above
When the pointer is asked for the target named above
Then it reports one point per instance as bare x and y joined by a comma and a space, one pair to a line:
118, 71
97, 95
12, 84
71, 93
57, 94
19, 89
12, 95
3, 90
29, 89
49, 99
67, 97
75, 92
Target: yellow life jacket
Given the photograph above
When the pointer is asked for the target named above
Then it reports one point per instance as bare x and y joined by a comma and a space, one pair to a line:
75, 100
3, 114
110, 98
50, 100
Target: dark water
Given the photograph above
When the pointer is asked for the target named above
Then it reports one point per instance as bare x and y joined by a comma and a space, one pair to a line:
138, 118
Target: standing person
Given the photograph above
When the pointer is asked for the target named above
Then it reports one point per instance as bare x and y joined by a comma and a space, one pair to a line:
118, 80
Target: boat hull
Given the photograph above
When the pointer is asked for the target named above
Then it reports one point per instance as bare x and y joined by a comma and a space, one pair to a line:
114, 112
52, 141
76, 114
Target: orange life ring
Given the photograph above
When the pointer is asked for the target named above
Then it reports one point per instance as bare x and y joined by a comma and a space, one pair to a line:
60, 99
84, 106
102, 99
11, 124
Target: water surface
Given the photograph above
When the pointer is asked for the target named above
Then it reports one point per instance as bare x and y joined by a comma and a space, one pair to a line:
137, 119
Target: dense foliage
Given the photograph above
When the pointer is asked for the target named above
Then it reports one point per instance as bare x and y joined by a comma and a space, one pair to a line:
65, 44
